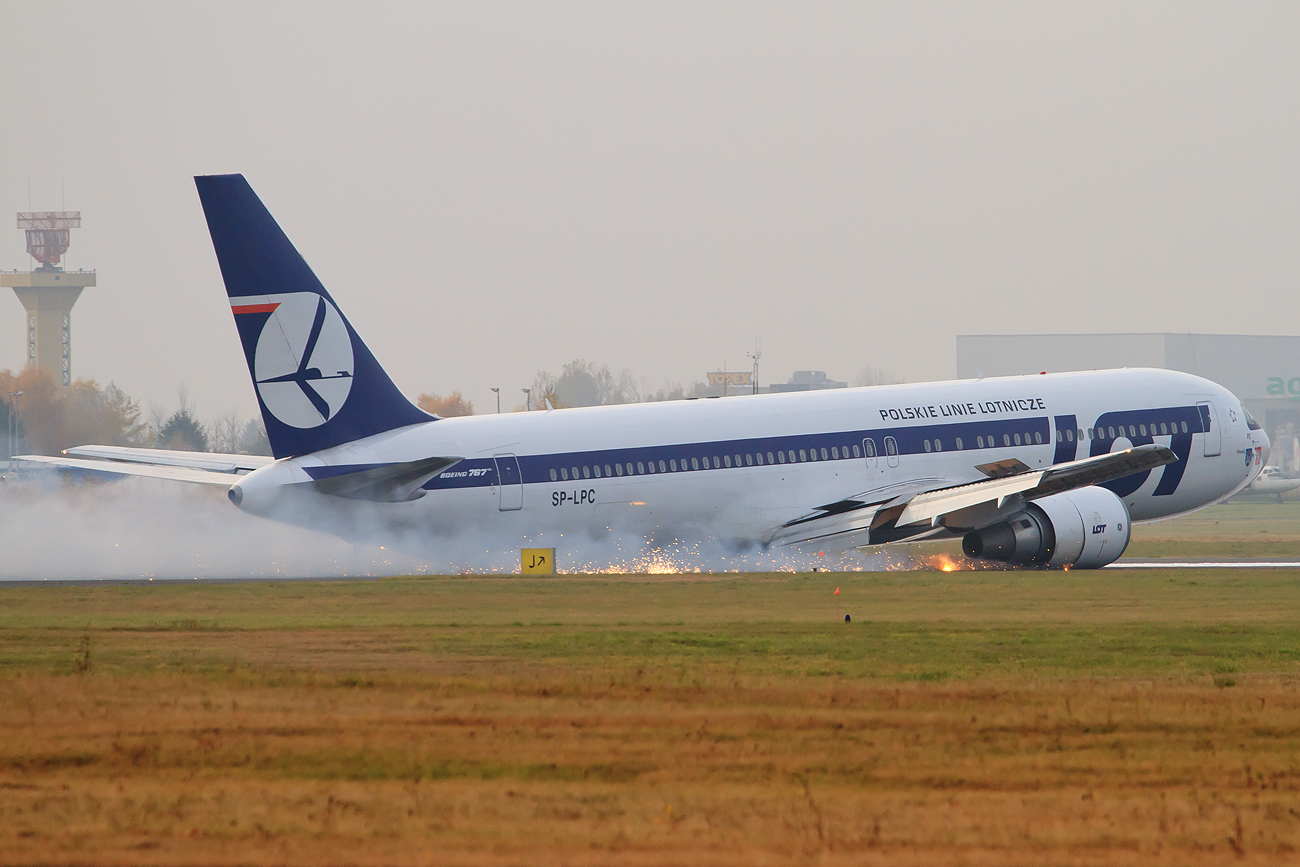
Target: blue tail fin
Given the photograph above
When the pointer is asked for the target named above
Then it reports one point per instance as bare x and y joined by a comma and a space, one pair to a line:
317, 384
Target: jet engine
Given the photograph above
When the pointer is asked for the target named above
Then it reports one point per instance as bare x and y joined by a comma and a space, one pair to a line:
1083, 529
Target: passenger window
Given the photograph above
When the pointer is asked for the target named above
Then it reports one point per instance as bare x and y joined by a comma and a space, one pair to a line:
1017, 439
979, 442
661, 466
855, 452
629, 468
640, 468
575, 474
597, 470
1069, 435
958, 443
1142, 429
749, 459
737, 460
780, 456
1132, 431
1184, 427
835, 452
871, 448
1006, 440
717, 464
938, 444
552, 474
672, 464
791, 454
769, 458
1060, 435
1164, 429
695, 463
927, 445
802, 456
824, 455
586, 472
726, 459
607, 471
1038, 438
1111, 431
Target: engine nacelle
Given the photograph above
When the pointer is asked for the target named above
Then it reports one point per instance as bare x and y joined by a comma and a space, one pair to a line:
1084, 529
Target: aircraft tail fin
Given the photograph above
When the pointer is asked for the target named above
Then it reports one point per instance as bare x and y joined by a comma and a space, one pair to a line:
317, 383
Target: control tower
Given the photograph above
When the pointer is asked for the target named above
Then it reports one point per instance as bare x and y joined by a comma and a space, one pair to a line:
49, 292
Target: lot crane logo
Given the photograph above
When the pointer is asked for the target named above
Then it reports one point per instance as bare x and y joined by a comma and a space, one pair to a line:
303, 362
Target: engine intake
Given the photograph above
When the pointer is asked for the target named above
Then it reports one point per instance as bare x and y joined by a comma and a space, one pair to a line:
1085, 529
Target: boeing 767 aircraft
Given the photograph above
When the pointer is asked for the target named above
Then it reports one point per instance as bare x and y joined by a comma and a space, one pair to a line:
1047, 470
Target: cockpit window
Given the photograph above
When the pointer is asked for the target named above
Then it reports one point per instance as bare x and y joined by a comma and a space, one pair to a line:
1250, 419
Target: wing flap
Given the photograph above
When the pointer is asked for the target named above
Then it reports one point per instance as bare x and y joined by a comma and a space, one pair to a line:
840, 530
931, 506
894, 513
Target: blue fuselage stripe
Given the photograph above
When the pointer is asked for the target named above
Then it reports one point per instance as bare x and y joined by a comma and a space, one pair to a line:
911, 440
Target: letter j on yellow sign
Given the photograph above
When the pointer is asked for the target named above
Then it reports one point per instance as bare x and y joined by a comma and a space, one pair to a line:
537, 561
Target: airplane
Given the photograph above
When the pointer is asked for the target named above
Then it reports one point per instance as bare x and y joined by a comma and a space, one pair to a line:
1274, 482
1046, 470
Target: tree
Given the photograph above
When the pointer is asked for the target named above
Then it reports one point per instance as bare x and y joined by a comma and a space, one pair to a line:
183, 432
255, 441
53, 418
450, 406
581, 383
875, 376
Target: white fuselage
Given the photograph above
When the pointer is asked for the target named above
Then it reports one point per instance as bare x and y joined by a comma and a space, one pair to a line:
734, 468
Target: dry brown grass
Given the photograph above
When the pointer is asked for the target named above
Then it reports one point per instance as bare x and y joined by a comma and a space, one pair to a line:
741, 741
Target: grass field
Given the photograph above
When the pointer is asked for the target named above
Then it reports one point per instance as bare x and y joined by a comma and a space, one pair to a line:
1241, 528
962, 718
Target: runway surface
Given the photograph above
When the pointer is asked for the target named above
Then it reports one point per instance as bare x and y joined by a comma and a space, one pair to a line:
1205, 564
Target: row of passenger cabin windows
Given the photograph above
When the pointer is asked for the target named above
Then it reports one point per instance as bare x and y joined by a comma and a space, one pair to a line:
677, 465
936, 444
1161, 429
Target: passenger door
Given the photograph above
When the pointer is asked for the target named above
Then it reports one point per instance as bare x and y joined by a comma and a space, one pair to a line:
510, 481
1213, 438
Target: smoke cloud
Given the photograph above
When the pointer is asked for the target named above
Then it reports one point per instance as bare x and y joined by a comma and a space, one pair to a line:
142, 528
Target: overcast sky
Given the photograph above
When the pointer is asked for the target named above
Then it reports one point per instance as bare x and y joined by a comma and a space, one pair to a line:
488, 190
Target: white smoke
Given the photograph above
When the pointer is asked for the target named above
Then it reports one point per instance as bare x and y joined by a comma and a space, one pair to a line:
141, 528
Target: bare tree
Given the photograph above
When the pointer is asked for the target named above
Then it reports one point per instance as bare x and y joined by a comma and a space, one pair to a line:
869, 375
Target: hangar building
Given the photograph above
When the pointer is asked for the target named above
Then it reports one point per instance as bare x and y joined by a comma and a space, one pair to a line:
1264, 371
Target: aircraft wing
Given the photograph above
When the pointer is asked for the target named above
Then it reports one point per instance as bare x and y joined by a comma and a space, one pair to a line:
851, 522
217, 463
124, 468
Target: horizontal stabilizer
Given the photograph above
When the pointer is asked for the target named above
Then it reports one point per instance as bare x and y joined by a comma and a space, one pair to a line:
381, 483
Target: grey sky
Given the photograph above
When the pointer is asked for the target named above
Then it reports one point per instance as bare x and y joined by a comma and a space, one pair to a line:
492, 189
